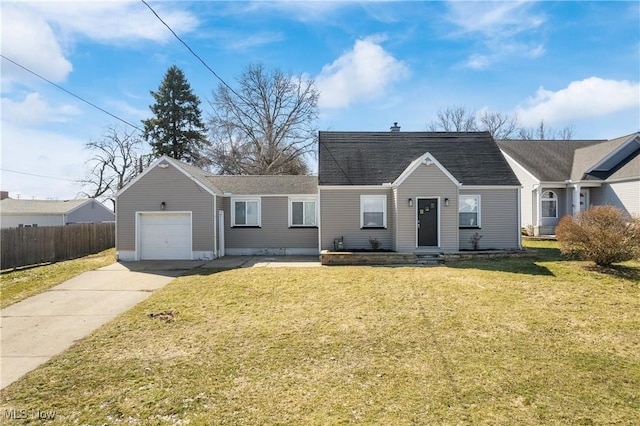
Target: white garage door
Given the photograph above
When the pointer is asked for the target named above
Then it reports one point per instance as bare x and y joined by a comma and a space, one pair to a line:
165, 236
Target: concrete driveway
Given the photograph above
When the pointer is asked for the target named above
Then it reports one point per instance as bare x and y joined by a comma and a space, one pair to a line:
36, 329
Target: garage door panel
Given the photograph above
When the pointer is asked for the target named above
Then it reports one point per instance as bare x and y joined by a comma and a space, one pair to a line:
165, 236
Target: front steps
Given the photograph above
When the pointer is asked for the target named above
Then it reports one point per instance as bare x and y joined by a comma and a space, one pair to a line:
429, 259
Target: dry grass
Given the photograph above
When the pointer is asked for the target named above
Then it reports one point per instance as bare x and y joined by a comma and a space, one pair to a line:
492, 342
18, 285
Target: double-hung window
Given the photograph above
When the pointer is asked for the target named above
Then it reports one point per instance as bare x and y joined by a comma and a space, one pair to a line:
373, 211
549, 204
245, 211
302, 212
469, 211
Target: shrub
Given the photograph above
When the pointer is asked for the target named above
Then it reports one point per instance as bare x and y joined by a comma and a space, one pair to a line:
602, 234
375, 244
475, 241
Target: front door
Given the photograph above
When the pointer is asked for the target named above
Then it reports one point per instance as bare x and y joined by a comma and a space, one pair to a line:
427, 222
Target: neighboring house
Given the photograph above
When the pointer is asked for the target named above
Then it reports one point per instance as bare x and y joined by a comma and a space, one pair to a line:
565, 177
412, 191
416, 191
177, 211
15, 213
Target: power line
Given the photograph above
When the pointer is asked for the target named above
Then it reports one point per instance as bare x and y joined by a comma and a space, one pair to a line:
71, 93
36, 175
192, 52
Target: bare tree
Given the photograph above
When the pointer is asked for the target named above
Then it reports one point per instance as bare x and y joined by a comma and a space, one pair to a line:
267, 126
117, 159
501, 126
454, 119
543, 132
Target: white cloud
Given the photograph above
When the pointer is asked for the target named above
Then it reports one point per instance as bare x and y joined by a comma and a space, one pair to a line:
493, 19
50, 163
35, 110
29, 40
504, 29
39, 35
362, 73
591, 97
116, 21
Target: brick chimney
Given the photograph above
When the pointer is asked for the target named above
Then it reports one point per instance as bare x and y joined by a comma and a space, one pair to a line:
395, 127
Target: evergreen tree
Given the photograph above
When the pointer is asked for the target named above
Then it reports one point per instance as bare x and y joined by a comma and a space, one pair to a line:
176, 129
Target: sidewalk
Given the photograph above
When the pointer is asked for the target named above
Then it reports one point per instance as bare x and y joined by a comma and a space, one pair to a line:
42, 326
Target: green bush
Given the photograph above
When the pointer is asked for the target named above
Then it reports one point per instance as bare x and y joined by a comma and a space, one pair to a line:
602, 234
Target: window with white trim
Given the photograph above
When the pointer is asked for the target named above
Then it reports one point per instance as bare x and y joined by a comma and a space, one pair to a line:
302, 211
469, 211
373, 211
549, 204
245, 211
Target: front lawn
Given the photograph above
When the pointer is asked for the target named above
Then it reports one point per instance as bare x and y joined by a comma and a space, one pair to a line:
492, 342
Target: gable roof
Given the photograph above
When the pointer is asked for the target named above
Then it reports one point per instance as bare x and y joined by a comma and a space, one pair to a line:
559, 161
548, 160
265, 185
238, 184
40, 207
374, 158
601, 161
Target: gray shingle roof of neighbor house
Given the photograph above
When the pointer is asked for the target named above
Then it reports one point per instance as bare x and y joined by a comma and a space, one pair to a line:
265, 185
586, 158
374, 158
40, 207
547, 160
558, 161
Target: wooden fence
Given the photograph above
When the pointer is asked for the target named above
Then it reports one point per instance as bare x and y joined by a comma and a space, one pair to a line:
32, 246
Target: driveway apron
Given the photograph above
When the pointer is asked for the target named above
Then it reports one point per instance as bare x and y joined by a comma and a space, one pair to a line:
40, 327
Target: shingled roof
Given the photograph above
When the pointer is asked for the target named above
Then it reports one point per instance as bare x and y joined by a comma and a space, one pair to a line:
558, 161
374, 158
40, 207
265, 185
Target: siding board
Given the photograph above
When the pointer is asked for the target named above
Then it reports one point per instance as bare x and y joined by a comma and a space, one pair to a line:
624, 195
340, 216
178, 192
499, 219
274, 233
427, 182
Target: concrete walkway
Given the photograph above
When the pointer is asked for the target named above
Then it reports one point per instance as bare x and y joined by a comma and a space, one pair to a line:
232, 262
36, 329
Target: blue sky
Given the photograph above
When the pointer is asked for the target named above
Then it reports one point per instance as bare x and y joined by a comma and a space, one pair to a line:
567, 63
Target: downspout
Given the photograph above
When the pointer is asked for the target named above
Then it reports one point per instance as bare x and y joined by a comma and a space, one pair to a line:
538, 189
215, 227
519, 191
319, 210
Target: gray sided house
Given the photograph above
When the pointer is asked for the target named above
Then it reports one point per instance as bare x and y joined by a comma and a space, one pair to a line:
566, 177
416, 191
15, 213
177, 211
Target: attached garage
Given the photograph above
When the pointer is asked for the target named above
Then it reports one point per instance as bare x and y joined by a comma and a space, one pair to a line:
164, 235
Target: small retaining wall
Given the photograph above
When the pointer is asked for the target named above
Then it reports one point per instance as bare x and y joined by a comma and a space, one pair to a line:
366, 258
370, 258
493, 254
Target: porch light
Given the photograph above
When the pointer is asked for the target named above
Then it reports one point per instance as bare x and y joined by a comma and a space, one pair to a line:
446, 202
410, 202
163, 205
